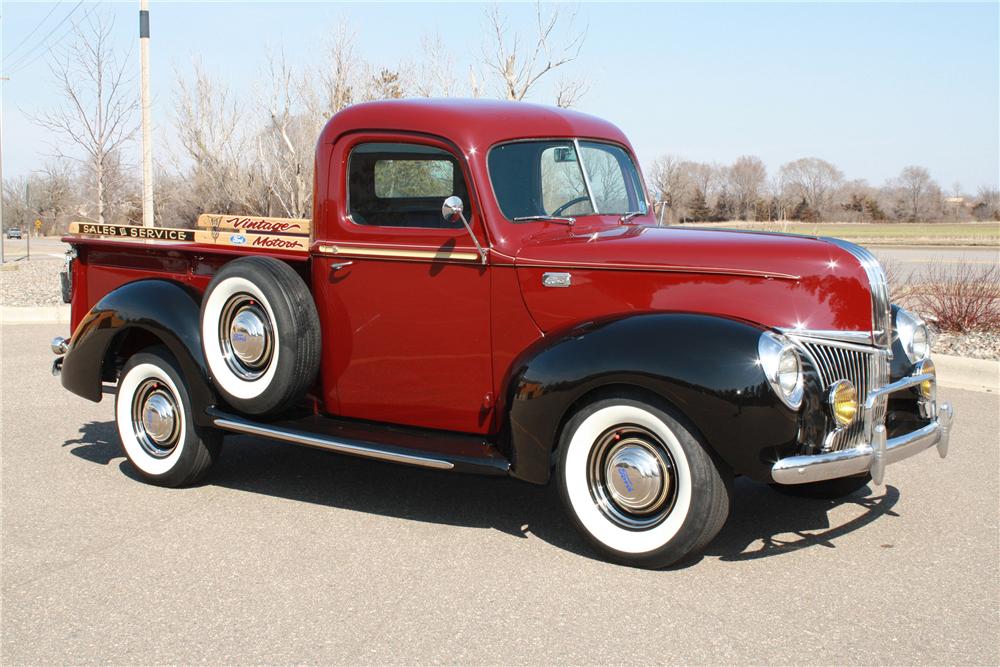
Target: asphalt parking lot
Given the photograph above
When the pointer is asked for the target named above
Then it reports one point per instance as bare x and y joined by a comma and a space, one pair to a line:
290, 555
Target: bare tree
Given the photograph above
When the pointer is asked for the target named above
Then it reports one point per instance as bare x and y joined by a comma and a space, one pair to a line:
519, 67
335, 82
435, 75
669, 182
97, 116
209, 123
285, 147
810, 180
917, 186
746, 179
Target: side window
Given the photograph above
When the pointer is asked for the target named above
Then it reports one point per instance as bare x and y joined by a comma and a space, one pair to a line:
402, 185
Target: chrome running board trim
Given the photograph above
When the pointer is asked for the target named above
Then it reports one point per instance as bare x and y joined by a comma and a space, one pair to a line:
329, 444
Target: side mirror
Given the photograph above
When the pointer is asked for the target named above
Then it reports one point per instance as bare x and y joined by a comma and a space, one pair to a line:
452, 210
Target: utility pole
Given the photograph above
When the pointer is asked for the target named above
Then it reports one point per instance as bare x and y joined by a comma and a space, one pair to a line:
3, 234
147, 147
27, 208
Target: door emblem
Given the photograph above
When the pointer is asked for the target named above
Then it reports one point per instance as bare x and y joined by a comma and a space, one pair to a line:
556, 279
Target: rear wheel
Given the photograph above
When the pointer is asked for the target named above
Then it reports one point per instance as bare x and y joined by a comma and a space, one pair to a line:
638, 483
155, 425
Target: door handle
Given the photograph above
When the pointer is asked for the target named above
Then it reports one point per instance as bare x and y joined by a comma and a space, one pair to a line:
340, 265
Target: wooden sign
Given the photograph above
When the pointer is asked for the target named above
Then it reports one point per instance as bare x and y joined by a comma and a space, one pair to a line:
229, 238
222, 222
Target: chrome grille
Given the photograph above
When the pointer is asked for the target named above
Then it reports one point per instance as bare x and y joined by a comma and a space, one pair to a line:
878, 285
866, 367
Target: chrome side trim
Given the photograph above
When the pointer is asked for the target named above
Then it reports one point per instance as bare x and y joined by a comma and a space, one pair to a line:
343, 447
864, 458
879, 288
398, 253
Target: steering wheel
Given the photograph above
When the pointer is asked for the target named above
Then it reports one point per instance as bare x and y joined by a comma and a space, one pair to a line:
571, 202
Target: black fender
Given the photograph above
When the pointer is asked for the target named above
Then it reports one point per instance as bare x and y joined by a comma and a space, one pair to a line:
705, 366
157, 311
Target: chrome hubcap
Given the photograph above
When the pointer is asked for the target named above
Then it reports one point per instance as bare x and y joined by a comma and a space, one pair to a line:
631, 477
636, 479
246, 337
155, 418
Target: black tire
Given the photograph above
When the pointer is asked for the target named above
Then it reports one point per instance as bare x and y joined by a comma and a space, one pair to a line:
681, 518
828, 489
266, 292
185, 456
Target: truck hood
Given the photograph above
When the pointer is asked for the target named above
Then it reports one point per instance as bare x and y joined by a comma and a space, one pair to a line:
779, 280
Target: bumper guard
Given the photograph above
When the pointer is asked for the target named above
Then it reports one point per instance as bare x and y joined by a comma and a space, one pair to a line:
880, 451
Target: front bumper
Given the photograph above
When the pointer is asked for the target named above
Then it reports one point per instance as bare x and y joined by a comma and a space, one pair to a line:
879, 451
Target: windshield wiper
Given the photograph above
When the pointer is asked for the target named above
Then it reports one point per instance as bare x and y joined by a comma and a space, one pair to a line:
546, 218
628, 216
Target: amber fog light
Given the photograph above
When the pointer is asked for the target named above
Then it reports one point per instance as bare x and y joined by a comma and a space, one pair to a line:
843, 402
926, 388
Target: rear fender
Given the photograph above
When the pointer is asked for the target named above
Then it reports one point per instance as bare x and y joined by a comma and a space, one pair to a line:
157, 311
704, 366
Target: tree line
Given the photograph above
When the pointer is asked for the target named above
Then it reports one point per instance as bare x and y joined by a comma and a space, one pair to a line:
254, 154
808, 190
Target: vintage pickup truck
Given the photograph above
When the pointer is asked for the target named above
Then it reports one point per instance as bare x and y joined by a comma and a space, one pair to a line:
483, 288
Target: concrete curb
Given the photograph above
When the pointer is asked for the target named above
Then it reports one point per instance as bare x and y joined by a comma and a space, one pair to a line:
33, 314
965, 373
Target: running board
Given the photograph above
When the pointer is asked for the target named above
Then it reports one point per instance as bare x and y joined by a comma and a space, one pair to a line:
457, 453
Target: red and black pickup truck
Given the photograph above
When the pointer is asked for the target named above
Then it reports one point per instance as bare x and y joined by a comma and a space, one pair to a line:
483, 288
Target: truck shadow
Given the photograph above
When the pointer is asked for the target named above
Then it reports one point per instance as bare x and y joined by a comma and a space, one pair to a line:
763, 523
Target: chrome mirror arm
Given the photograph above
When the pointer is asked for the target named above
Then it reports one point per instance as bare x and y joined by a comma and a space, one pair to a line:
452, 209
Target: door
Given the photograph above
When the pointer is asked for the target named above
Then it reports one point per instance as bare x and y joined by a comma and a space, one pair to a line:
403, 295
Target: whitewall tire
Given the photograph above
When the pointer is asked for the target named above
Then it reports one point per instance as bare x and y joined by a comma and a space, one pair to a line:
260, 334
637, 483
155, 423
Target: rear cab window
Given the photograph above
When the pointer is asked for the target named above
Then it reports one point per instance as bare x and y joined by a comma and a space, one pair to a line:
402, 185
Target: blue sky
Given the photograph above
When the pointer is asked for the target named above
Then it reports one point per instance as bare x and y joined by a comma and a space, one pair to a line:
869, 87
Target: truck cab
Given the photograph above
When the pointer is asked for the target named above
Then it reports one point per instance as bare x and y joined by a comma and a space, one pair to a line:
483, 288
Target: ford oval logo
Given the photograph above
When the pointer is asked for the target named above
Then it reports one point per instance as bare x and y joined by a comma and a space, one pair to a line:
624, 475
237, 239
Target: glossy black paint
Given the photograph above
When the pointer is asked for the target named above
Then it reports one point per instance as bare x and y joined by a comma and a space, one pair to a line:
139, 313
706, 367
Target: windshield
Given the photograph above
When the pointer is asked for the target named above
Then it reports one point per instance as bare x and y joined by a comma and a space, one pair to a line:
547, 178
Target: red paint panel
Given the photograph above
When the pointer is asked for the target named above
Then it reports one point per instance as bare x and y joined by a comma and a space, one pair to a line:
406, 342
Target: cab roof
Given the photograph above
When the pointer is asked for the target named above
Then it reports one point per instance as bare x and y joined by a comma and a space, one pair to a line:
469, 123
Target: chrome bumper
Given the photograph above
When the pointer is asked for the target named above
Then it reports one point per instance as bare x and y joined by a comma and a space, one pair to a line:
876, 455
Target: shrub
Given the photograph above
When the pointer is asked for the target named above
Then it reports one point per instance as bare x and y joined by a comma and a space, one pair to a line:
964, 298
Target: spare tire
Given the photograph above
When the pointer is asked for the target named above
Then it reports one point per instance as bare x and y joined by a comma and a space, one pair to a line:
260, 334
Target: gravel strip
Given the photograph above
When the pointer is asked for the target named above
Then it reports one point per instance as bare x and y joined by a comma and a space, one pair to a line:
31, 283
36, 283
973, 344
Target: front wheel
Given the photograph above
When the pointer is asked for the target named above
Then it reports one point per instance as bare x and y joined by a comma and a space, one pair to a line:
154, 418
638, 483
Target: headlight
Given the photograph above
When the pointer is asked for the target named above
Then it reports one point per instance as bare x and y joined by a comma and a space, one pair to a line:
913, 336
782, 367
843, 399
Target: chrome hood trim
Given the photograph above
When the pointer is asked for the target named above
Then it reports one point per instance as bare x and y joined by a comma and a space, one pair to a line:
879, 285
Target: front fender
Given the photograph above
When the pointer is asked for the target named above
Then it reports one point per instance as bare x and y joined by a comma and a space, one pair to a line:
166, 311
705, 366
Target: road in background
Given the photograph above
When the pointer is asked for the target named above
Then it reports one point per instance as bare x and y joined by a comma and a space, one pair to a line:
909, 260
292, 555
46, 247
